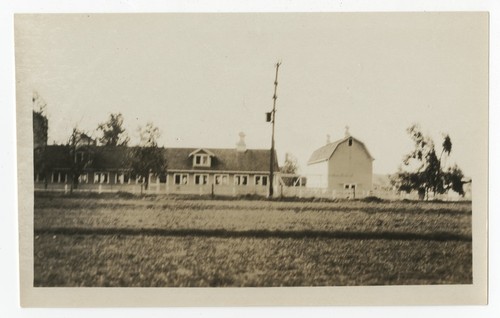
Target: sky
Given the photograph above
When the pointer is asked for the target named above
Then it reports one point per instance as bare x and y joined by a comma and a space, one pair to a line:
203, 78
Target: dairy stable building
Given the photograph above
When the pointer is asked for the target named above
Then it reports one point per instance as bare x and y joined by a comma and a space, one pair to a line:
236, 171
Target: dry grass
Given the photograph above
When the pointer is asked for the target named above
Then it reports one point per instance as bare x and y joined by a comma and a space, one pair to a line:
159, 241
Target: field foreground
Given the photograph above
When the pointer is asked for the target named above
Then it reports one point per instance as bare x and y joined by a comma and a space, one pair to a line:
121, 241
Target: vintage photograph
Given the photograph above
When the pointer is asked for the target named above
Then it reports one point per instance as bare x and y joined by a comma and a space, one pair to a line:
254, 150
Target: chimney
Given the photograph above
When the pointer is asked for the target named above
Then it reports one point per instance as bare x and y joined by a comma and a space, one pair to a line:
240, 145
328, 139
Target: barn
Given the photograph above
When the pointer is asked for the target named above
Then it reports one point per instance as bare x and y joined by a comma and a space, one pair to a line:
345, 164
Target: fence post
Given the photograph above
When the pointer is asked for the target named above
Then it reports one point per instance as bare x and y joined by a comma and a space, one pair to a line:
65, 188
100, 188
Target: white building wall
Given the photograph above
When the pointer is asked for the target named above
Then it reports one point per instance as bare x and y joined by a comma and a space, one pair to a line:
316, 175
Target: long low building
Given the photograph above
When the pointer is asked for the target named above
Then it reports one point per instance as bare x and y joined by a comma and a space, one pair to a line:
189, 170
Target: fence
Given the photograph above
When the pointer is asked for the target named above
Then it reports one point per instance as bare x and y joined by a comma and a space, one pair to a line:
159, 188
235, 190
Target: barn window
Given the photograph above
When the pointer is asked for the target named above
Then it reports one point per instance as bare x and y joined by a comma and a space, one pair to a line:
350, 142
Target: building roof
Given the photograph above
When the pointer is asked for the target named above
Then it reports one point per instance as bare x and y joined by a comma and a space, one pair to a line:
203, 151
326, 152
222, 160
115, 158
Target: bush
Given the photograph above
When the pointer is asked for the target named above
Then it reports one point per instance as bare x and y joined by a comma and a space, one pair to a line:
372, 199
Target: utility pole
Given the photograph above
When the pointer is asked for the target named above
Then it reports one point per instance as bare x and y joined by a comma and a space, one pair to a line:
273, 117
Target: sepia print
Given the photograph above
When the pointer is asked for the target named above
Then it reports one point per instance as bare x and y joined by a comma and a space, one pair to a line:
325, 158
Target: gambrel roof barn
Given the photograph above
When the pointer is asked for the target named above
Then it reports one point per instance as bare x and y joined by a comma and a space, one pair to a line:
345, 164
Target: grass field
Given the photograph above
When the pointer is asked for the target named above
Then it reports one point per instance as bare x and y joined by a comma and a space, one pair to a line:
120, 240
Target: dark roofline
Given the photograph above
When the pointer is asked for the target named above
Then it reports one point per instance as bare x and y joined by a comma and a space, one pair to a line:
114, 158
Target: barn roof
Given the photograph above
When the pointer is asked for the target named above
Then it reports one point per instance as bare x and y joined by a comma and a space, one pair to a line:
115, 158
324, 153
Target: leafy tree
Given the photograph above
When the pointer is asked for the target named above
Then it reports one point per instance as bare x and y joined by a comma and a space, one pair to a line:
425, 171
81, 153
113, 133
148, 158
40, 137
290, 167
40, 130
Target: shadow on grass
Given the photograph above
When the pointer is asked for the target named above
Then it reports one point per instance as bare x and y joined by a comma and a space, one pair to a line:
439, 236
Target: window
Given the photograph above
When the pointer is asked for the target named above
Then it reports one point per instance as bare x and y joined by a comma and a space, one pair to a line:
348, 186
240, 179
201, 160
83, 178
153, 179
221, 179
101, 177
122, 178
350, 142
200, 178
261, 180
59, 177
139, 179
180, 178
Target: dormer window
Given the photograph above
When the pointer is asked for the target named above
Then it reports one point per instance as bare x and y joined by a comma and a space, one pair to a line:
201, 160
202, 157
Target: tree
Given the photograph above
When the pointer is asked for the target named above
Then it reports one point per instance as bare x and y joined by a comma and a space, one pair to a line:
113, 133
148, 158
40, 137
80, 155
424, 171
290, 167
